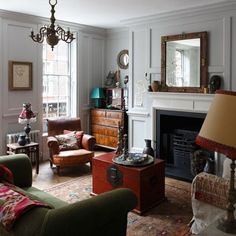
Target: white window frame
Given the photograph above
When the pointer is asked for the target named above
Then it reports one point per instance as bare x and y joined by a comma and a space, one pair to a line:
71, 109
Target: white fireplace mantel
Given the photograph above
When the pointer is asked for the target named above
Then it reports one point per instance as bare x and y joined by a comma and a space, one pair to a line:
186, 102
194, 102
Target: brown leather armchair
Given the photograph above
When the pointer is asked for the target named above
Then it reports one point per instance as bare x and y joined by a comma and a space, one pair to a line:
63, 158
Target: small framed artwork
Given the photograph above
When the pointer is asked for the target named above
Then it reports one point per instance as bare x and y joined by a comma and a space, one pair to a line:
20, 75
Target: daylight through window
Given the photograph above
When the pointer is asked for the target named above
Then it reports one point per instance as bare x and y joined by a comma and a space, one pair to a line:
56, 81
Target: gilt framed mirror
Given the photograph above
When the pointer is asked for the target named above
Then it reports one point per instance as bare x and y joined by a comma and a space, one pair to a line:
184, 64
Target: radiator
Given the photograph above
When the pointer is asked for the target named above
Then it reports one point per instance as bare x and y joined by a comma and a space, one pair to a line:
34, 136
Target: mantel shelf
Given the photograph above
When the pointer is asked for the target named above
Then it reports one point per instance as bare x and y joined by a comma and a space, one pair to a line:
170, 95
196, 102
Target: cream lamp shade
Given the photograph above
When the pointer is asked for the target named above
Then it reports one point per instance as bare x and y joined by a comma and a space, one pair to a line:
218, 132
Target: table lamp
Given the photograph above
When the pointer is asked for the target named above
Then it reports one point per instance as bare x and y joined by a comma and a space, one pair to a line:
97, 94
218, 133
26, 117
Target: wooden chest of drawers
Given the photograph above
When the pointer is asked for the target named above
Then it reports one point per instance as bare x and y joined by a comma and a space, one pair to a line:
148, 182
104, 126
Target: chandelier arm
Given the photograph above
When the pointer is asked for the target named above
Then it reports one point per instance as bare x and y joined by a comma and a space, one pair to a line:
70, 39
65, 36
42, 32
40, 36
61, 33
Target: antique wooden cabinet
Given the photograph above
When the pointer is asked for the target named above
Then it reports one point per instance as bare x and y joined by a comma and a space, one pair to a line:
147, 182
104, 126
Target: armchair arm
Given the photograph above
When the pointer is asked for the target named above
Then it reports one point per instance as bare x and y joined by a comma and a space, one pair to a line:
210, 189
21, 168
53, 145
105, 214
88, 142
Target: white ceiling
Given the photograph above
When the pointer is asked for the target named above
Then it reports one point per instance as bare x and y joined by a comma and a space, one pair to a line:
100, 13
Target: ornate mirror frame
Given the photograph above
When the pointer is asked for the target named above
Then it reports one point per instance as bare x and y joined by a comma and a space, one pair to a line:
122, 63
203, 62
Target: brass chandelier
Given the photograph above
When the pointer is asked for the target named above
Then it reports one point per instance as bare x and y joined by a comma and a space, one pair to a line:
52, 34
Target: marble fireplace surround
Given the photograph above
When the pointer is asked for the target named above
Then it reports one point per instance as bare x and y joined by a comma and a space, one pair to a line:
185, 102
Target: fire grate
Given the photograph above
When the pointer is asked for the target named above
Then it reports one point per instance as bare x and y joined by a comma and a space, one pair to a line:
183, 148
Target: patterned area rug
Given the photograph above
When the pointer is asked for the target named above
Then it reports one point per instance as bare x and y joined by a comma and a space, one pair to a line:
170, 218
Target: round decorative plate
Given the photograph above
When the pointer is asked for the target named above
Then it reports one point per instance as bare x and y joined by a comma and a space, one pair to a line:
134, 159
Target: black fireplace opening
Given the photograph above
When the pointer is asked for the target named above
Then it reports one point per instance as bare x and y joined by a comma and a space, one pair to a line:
176, 132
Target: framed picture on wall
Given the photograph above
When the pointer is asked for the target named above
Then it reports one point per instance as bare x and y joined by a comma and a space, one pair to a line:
20, 75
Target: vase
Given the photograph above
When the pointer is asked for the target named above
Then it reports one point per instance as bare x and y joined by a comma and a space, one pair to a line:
148, 148
155, 86
22, 140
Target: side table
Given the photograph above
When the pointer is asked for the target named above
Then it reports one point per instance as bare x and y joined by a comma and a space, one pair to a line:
29, 149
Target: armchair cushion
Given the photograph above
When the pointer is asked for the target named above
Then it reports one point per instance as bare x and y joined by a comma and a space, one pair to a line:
78, 136
67, 141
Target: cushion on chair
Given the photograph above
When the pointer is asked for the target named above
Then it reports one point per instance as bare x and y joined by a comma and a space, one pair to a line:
78, 135
67, 141
75, 153
73, 157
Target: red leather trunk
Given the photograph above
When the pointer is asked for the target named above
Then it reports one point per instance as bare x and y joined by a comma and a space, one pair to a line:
147, 182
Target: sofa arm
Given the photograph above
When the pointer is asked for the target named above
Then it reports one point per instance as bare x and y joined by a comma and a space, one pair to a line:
211, 189
105, 214
21, 168
53, 145
88, 142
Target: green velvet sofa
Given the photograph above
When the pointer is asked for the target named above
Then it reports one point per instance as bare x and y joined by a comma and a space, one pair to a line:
105, 214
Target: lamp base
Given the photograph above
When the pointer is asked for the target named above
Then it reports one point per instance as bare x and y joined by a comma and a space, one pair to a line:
98, 103
27, 131
227, 226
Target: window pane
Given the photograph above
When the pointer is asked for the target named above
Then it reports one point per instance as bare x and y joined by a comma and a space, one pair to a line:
51, 67
63, 84
52, 86
63, 49
62, 68
63, 107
